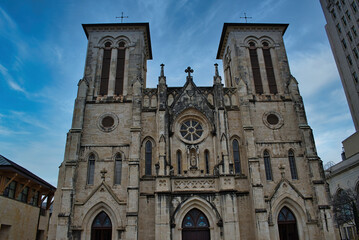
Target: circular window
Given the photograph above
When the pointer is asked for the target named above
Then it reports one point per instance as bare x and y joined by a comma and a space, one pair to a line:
191, 130
107, 122
273, 120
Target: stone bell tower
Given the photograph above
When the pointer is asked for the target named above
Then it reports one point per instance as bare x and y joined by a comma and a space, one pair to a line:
99, 174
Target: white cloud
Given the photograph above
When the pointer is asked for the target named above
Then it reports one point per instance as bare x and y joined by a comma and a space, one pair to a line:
313, 69
10, 81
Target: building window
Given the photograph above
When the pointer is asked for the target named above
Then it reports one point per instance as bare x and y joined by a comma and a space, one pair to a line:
333, 13
350, 36
206, 159
354, 7
118, 168
355, 77
344, 21
120, 69
348, 15
356, 54
344, 43
24, 194
148, 158
255, 68
349, 58
179, 162
267, 166
338, 6
293, 167
10, 189
105, 74
91, 169
191, 130
269, 68
354, 31
35, 198
236, 158
339, 28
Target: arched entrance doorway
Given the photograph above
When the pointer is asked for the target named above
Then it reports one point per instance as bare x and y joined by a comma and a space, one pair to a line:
101, 227
287, 225
195, 226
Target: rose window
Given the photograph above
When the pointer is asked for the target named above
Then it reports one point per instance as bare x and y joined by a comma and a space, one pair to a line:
191, 130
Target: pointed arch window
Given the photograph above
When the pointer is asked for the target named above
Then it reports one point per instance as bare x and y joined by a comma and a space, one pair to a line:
118, 168
179, 162
206, 159
120, 69
267, 165
236, 158
269, 68
148, 158
105, 74
255, 68
293, 167
91, 169
101, 227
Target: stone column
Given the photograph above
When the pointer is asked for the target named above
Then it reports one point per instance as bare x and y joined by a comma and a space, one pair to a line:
113, 66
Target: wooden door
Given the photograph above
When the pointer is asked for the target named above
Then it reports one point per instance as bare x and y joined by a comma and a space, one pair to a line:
101, 227
287, 225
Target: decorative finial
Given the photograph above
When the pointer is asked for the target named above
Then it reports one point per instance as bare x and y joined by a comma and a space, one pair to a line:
189, 70
216, 70
162, 70
103, 174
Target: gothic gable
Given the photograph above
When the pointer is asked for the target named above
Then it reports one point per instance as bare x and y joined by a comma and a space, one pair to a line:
191, 97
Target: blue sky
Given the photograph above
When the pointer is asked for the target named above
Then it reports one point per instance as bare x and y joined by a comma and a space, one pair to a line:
43, 49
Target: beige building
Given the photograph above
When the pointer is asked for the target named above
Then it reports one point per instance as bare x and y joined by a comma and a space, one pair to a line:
232, 161
25, 200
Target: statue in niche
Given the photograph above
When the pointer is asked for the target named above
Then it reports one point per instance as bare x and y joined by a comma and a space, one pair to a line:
192, 156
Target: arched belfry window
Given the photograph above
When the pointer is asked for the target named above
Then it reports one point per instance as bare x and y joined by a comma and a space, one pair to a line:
179, 162
195, 225
206, 159
101, 227
120, 69
91, 168
105, 73
269, 68
118, 168
236, 158
292, 165
267, 165
255, 68
148, 158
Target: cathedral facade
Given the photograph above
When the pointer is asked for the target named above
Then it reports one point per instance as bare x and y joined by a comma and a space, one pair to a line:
234, 160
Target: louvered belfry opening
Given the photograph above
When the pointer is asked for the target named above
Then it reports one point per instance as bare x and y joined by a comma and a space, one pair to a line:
120, 69
255, 68
269, 68
105, 73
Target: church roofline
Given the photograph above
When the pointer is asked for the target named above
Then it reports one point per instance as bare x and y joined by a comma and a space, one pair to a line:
146, 25
224, 35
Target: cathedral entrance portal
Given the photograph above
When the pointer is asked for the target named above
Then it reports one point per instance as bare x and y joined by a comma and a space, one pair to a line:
195, 226
101, 227
287, 225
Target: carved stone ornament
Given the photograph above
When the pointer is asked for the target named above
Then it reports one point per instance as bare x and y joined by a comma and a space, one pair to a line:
194, 184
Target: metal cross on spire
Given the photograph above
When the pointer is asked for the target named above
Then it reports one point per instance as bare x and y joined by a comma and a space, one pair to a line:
122, 17
245, 17
189, 70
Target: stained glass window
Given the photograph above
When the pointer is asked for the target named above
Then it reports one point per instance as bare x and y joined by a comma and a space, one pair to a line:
191, 130
102, 220
91, 169
206, 156
236, 159
293, 167
195, 219
286, 216
118, 168
148, 158
267, 166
